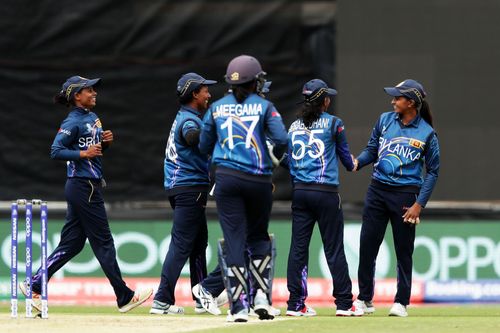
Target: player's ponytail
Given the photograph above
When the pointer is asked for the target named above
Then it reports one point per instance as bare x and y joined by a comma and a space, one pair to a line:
425, 112
60, 98
242, 91
311, 111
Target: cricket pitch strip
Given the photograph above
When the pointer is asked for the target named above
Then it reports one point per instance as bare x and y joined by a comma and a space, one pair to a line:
91, 323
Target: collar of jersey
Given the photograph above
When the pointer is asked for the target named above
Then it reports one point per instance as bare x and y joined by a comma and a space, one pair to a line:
413, 123
80, 110
190, 109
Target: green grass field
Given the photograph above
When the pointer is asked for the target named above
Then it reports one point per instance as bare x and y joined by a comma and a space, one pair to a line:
430, 318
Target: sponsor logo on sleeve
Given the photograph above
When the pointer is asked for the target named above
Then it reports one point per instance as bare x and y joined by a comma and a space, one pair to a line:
89, 127
64, 131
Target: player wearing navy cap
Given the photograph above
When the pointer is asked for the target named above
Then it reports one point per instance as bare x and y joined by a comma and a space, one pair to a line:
234, 131
186, 183
315, 141
81, 142
401, 143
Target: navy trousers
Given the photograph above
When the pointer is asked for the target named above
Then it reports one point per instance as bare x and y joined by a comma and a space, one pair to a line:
214, 282
380, 207
244, 208
189, 239
325, 208
86, 218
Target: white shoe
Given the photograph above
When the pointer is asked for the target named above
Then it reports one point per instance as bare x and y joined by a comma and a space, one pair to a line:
36, 301
274, 311
221, 300
164, 308
261, 306
206, 300
139, 297
398, 310
198, 308
352, 312
240, 317
305, 312
366, 306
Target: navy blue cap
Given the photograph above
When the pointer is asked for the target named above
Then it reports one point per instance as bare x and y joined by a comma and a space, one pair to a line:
408, 88
316, 88
189, 82
75, 84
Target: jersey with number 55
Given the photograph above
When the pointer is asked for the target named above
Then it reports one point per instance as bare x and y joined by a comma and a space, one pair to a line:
235, 133
313, 150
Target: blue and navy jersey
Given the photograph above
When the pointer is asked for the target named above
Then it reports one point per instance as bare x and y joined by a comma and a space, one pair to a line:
313, 151
399, 153
78, 131
184, 165
235, 134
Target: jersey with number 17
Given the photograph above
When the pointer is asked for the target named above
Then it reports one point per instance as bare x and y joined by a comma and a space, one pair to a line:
235, 133
313, 150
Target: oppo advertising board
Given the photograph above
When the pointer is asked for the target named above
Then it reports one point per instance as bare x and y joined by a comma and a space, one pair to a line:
451, 259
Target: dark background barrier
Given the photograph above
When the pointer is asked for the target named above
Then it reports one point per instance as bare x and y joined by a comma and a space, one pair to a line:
453, 48
140, 49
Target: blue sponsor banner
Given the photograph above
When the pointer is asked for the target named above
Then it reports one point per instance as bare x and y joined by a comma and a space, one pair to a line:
462, 291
